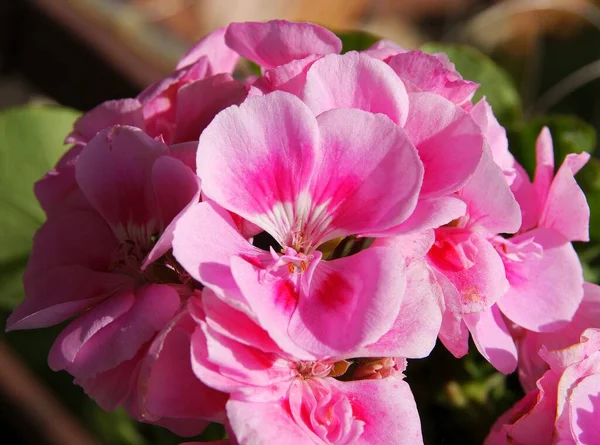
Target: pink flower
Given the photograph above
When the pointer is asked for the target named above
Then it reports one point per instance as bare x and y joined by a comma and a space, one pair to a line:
565, 406
108, 263
302, 399
531, 365
305, 181
471, 271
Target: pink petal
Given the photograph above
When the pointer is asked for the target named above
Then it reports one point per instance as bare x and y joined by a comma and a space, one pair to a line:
355, 80
531, 420
204, 241
59, 186
106, 336
431, 213
198, 103
105, 115
111, 389
450, 146
248, 154
260, 376
290, 77
544, 292
169, 388
366, 159
362, 292
425, 72
454, 333
248, 423
388, 409
492, 338
544, 168
495, 135
114, 173
525, 195
498, 215
65, 273
584, 410
272, 300
176, 189
566, 209
473, 266
415, 331
278, 42
222, 59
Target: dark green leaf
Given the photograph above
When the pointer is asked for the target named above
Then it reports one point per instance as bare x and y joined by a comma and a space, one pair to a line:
356, 40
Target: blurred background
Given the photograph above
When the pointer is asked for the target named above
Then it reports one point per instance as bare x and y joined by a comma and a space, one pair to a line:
78, 53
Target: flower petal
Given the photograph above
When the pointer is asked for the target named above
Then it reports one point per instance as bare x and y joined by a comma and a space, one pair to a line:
278, 42
355, 80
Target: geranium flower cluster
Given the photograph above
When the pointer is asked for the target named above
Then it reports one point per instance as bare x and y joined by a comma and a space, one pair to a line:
267, 252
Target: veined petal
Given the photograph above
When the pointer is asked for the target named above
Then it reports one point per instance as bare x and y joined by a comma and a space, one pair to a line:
363, 293
255, 160
355, 80
450, 146
278, 42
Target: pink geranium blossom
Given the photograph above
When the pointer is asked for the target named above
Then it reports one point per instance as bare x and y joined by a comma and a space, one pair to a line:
565, 406
304, 180
302, 399
107, 264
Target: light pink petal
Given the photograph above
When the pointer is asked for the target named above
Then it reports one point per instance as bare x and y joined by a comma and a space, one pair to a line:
234, 324
388, 409
472, 264
105, 115
415, 331
222, 59
584, 410
242, 369
454, 333
531, 420
290, 77
176, 189
544, 164
525, 194
384, 50
101, 339
198, 103
204, 241
368, 174
431, 213
168, 387
362, 292
355, 80
492, 338
544, 292
495, 135
425, 72
272, 300
450, 146
571, 376
278, 42
498, 215
247, 420
114, 173
254, 157
566, 209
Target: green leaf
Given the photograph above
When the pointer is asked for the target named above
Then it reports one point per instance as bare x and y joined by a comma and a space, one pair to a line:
569, 135
31, 141
356, 40
495, 82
